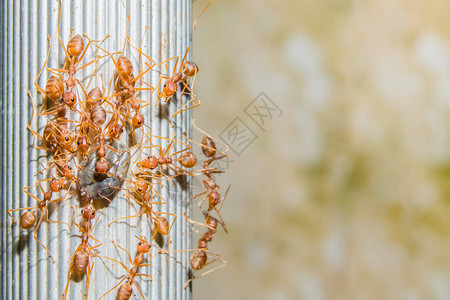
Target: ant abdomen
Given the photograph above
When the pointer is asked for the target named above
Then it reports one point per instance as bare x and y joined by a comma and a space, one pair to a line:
198, 260
125, 67
27, 220
75, 46
208, 146
190, 69
124, 292
80, 262
188, 160
98, 114
96, 94
162, 225
53, 88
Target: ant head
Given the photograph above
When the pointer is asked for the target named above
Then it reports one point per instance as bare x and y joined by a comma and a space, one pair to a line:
169, 88
150, 162
69, 98
153, 162
208, 146
75, 46
138, 120
65, 140
83, 144
57, 184
143, 246
88, 212
141, 186
188, 160
67, 171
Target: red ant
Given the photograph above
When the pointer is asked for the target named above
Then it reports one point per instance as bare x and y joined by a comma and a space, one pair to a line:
125, 290
55, 135
28, 218
199, 259
82, 260
187, 159
144, 192
187, 70
74, 54
125, 83
210, 151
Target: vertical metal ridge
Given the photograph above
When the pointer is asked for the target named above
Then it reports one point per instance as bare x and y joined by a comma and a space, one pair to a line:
27, 271
2, 144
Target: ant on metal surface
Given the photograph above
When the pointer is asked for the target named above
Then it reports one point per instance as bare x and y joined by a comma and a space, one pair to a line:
83, 260
125, 290
28, 218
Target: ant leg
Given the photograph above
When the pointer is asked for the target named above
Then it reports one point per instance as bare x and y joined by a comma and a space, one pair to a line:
42, 69
224, 263
113, 287
81, 168
183, 110
93, 61
87, 46
179, 168
145, 275
88, 274
59, 32
127, 217
128, 253
160, 197
95, 223
197, 223
175, 65
114, 61
139, 289
74, 221
185, 149
34, 235
102, 256
17, 209
58, 222
64, 295
195, 22
29, 194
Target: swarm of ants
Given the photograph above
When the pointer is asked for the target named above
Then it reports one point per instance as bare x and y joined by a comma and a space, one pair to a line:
93, 140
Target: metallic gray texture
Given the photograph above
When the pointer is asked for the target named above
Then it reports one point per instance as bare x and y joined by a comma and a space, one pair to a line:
27, 272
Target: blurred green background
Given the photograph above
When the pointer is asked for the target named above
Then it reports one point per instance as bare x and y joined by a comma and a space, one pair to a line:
346, 194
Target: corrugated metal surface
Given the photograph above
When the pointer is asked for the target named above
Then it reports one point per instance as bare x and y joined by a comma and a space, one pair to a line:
26, 271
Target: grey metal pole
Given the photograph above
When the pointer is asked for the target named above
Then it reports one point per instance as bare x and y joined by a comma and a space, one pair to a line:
27, 272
